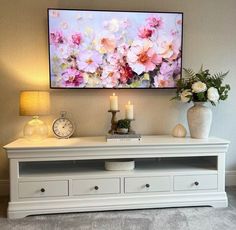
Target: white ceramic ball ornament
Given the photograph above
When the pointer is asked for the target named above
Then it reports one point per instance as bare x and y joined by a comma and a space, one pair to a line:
179, 131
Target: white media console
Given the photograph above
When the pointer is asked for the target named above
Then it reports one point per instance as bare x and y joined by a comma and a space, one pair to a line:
68, 175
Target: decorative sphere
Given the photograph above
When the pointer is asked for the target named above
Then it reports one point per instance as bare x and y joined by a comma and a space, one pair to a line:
179, 131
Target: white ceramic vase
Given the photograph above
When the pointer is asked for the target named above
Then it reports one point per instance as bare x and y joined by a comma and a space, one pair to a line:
199, 120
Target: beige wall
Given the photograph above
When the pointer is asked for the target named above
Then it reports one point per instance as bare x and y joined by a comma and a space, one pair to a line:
209, 39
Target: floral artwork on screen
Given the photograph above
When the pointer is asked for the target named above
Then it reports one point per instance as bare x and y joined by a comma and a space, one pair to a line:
104, 49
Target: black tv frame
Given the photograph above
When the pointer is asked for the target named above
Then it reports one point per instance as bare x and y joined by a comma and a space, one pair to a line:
132, 11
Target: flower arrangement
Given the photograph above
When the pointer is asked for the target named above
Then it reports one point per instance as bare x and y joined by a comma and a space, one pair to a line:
113, 51
202, 87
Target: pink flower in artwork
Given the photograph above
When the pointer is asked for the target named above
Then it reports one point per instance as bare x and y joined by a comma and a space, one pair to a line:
123, 49
161, 81
126, 73
56, 38
145, 32
76, 38
89, 61
72, 77
118, 61
142, 57
114, 58
155, 21
169, 49
179, 21
118, 57
174, 32
55, 13
63, 51
106, 44
110, 76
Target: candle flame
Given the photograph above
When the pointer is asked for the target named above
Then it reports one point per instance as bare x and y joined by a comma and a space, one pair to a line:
128, 102
114, 94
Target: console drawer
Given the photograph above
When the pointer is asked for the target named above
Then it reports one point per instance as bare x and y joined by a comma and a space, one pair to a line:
147, 184
96, 186
195, 182
43, 189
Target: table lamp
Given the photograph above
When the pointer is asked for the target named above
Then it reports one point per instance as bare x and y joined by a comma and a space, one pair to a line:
35, 103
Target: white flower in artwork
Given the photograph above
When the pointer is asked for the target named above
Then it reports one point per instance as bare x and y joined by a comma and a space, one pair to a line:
213, 95
113, 25
185, 95
199, 87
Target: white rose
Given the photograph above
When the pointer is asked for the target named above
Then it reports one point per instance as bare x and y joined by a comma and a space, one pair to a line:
213, 95
199, 87
185, 95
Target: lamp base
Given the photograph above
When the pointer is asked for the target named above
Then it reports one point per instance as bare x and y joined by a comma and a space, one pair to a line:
35, 130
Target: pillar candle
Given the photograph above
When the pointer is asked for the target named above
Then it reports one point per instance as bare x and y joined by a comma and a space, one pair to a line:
113, 102
129, 111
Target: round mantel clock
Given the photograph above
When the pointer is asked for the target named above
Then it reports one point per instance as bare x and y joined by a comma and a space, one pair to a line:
63, 127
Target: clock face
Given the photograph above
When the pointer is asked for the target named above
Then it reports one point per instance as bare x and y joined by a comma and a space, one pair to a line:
63, 128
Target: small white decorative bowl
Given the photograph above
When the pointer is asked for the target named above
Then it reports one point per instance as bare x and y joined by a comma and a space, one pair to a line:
119, 165
122, 130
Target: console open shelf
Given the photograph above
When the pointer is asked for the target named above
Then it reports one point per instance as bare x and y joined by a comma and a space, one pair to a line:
96, 167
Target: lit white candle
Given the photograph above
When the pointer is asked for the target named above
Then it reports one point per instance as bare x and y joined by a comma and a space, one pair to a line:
129, 111
113, 102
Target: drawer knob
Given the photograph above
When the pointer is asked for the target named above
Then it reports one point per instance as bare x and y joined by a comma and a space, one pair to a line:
42, 190
96, 187
147, 185
196, 183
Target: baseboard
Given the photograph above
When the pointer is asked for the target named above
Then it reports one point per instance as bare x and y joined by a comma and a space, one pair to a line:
230, 178
4, 187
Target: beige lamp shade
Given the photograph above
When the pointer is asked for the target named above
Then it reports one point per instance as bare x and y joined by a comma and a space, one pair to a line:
34, 103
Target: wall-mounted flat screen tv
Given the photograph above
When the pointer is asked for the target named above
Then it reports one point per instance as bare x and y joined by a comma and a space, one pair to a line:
114, 49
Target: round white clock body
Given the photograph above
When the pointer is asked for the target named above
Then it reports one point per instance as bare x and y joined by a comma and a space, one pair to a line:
63, 127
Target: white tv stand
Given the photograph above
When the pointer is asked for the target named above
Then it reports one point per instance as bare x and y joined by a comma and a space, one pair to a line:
58, 176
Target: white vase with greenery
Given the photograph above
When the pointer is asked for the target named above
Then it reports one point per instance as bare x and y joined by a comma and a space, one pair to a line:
200, 88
